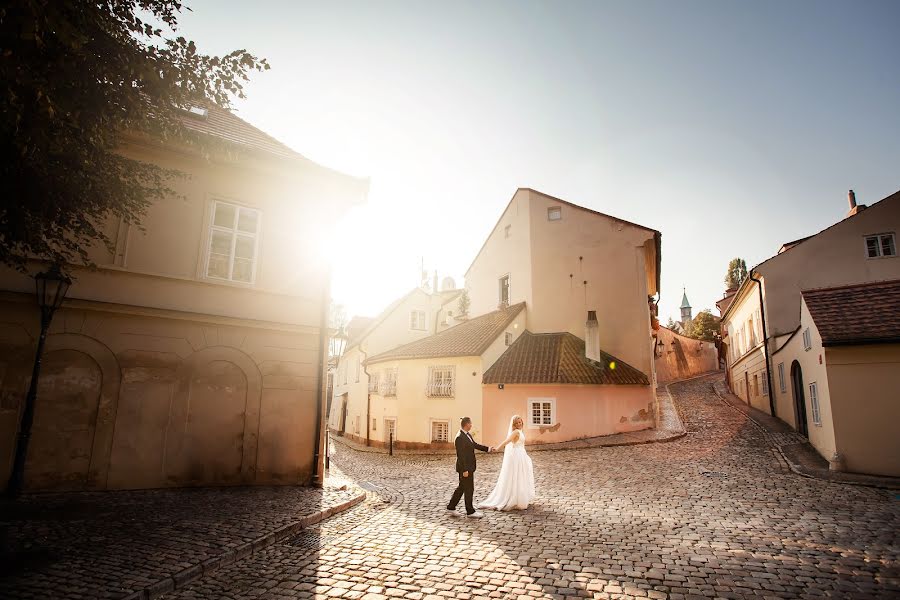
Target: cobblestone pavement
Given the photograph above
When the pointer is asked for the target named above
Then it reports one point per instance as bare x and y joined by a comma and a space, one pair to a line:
714, 514
110, 544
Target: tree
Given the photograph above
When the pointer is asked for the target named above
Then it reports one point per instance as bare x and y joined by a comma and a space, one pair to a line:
76, 77
462, 307
737, 272
703, 326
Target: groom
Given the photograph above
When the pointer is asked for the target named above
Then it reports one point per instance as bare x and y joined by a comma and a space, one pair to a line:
465, 467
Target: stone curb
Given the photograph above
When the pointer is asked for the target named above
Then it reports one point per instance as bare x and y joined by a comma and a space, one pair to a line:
797, 468
232, 555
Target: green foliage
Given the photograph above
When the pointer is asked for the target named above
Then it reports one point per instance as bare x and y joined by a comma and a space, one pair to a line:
703, 326
76, 76
462, 307
737, 272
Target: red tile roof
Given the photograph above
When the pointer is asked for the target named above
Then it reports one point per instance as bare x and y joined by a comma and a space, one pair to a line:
559, 358
865, 313
470, 338
224, 124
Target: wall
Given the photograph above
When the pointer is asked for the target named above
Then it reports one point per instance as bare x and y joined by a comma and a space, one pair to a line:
864, 383
680, 357
499, 346
834, 257
582, 410
746, 355
130, 400
611, 256
414, 411
501, 256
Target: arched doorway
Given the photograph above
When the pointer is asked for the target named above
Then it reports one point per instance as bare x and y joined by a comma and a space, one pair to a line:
799, 398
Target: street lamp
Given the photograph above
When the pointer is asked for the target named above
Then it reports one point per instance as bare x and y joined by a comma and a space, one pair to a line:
50, 288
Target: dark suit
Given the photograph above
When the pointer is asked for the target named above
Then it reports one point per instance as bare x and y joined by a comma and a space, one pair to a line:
465, 462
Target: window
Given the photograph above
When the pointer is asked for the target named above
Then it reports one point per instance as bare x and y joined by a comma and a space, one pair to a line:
781, 378
880, 245
508, 338
440, 382
373, 424
541, 412
233, 236
807, 340
506, 230
373, 383
504, 289
440, 431
389, 388
765, 385
554, 213
417, 320
814, 403
356, 424
755, 384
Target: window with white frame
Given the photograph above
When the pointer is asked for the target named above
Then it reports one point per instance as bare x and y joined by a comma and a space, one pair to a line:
541, 412
807, 339
508, 338
765, 385
554, 213
440, 431
781, 383
389, 387
440, 382
880, 245
373, 383
233, 242
504, 289
814, 403
417, 320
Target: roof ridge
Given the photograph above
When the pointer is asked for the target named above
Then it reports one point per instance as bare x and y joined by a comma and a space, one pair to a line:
851, 286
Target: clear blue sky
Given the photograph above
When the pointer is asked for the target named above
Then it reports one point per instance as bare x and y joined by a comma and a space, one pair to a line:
730, 127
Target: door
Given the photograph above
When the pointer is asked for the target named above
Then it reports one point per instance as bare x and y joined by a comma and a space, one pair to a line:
799, 398
390, 430
747, 385
343, 414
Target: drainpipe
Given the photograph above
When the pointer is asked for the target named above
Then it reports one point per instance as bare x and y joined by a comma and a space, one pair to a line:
762, 313
368, 394
318, 475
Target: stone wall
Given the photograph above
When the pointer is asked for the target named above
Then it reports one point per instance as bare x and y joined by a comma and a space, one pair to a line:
131, 400
680, 357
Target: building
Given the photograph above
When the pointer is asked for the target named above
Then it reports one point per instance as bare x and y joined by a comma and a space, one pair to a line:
555, 289
680, 357
783, 353
195, 353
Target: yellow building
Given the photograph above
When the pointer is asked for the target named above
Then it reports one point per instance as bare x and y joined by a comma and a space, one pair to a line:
194, 353
782, 361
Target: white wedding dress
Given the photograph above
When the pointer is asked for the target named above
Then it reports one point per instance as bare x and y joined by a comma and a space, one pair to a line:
515, 484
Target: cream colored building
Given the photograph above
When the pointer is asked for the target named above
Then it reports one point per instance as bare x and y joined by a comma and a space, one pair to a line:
194, 353
771, 341
548, 268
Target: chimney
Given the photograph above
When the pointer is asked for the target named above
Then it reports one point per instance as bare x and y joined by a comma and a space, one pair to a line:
592, 337
854, 207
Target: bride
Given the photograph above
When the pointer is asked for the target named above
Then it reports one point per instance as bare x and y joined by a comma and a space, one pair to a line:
515, 484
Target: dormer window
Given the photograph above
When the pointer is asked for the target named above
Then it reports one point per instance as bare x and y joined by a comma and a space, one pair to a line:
504, 290
417, 320
881, 245
554, 213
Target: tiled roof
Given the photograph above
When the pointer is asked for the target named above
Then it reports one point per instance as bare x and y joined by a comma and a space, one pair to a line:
470, 338
224, 124
559, 358
864, 313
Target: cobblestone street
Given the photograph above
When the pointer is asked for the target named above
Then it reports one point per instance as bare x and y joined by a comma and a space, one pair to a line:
716, 513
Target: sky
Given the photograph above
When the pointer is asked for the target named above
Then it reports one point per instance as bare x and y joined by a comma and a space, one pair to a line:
730, 127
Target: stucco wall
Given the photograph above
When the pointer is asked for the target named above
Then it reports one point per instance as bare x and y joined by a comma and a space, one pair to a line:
582, 410
680, 357
746, 356
864, 384
137, 401
607, 253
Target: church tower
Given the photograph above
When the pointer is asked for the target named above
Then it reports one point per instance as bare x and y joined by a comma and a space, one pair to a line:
686, 316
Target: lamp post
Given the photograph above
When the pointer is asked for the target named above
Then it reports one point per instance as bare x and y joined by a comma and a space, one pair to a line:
50, 288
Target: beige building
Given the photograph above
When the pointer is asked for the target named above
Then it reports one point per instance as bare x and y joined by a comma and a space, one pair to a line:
773, 330
194, 354
550, 274
681, 357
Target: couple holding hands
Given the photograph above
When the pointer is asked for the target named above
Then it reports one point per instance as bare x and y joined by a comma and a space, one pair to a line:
515, 484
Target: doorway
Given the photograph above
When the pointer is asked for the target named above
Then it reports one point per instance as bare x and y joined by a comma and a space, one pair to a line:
343, 413
799, 398
747, 385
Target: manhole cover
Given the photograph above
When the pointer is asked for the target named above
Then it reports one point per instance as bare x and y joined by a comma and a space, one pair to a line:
714, 474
